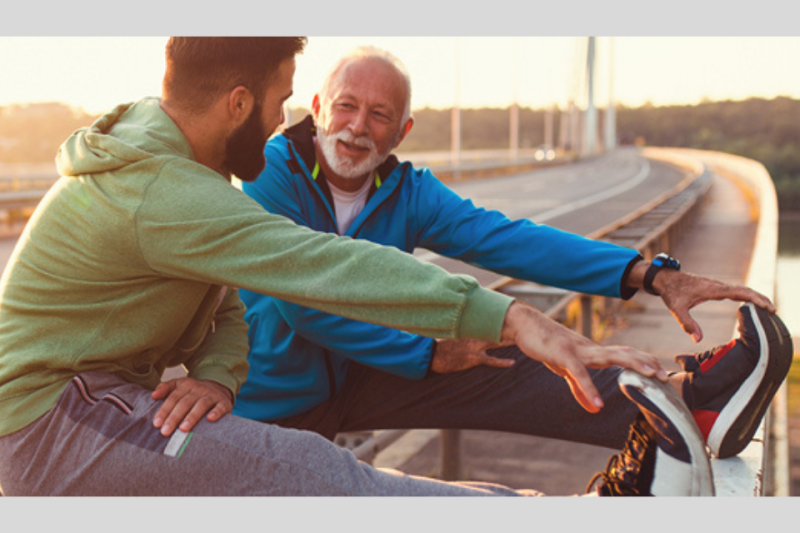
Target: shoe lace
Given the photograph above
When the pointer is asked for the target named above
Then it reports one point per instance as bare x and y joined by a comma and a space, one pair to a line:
691, 363
622, 470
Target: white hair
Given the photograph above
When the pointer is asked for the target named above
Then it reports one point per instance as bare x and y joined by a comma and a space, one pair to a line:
371, 52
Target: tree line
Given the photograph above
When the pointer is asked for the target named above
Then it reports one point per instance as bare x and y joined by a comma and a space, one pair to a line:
766, 130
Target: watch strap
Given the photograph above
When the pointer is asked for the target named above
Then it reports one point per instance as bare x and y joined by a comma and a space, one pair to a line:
660, 261
649, 276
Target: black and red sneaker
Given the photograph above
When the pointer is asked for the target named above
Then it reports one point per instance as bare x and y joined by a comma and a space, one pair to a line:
665, 455
729, 388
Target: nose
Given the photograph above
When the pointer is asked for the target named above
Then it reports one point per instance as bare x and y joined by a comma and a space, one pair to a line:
358, 123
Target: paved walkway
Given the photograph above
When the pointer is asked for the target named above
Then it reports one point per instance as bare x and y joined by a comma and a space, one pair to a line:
718, 246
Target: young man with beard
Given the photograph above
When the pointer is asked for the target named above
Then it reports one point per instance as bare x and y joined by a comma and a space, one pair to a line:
312, 370
130, 265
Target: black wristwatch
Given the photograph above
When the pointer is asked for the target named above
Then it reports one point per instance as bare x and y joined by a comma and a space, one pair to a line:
660, 261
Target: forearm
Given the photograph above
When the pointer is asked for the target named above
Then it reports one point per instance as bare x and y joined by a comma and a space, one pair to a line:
520, 249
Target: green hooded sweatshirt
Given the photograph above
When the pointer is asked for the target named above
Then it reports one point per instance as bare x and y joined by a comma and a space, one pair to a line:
132, 261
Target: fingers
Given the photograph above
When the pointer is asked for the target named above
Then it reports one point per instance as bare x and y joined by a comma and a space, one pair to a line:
580, 382
643, 363
569, 354
581, 385
187, 401
685, 291
688, 290
456, 356
163, 389
688, 324
761, 301
741, 293
496, 362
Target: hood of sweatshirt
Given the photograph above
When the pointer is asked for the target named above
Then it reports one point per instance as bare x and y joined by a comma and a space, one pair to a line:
127, 134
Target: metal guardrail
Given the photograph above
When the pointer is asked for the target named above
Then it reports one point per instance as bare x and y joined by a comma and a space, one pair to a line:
653, 228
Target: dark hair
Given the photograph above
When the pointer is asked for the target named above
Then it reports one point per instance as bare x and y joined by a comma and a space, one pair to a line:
200, 69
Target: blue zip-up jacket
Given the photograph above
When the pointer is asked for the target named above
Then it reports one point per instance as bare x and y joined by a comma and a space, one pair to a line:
299, 356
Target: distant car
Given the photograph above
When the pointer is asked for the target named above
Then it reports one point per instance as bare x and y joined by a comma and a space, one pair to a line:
544, 153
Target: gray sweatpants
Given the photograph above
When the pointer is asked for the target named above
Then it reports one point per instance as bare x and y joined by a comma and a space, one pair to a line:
527, 398
99, 440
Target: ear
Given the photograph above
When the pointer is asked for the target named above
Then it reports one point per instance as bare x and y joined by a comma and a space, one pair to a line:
406, 128
315, 105
240, 103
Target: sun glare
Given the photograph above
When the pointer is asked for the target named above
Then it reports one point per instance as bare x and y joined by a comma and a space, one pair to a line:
96, 73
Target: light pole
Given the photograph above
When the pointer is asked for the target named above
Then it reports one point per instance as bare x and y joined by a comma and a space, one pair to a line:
455, 126
590, 131
513, 135
611, 112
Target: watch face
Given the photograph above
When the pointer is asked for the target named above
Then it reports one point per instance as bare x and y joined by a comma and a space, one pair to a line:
664, 260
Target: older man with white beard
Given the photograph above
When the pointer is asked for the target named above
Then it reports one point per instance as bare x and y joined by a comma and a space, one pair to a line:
333, 172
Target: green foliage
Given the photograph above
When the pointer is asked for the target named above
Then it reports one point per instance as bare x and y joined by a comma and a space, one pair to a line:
767, 131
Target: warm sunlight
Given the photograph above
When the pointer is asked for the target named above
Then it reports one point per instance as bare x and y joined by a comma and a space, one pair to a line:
96, 73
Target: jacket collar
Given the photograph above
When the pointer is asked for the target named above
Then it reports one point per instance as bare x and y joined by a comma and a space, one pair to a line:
300, 141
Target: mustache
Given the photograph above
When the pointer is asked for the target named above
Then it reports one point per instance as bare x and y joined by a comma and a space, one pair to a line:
360, 141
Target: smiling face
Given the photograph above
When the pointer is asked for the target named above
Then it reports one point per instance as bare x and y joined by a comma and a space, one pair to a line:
360, 120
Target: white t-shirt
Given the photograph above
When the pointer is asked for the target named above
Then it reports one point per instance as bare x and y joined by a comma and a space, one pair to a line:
348, 205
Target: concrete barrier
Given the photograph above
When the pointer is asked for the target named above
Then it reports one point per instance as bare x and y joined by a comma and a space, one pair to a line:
763, 467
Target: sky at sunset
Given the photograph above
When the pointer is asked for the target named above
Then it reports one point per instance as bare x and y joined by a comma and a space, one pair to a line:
676, 55
96, 73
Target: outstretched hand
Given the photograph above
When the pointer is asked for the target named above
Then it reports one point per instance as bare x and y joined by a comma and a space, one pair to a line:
455, 356
681, 291
187, 400
569, 354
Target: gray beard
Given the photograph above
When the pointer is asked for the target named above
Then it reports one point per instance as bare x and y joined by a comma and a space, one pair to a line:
343, 167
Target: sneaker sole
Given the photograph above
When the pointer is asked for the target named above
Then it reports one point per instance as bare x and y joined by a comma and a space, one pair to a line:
741, 417
655, 395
